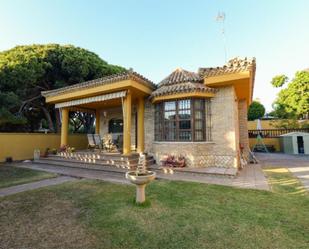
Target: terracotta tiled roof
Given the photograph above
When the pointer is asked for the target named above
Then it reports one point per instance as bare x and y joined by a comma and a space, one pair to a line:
102, 81
187, 87
233, 66
180, 76
181, 81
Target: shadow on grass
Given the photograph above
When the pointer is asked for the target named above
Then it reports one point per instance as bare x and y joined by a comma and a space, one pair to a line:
282, 181
145, 204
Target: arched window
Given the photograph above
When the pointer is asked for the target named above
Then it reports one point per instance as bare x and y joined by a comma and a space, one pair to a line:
115, 126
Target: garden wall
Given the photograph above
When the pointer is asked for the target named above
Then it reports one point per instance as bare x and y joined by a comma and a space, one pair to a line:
272, 124
267, 141
20, 146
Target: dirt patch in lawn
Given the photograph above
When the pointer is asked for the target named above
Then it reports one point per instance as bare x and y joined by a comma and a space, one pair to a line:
41, 220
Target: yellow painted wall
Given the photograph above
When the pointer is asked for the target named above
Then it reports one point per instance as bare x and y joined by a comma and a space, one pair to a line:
20, 146
267, 141
270, 124
266, 124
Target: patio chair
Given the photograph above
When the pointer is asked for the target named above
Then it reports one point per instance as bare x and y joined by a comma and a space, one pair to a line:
91, 142
98, 141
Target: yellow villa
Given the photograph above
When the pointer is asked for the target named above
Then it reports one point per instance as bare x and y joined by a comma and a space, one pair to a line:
201, 115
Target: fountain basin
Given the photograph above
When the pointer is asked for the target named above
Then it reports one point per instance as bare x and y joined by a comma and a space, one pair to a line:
140, 180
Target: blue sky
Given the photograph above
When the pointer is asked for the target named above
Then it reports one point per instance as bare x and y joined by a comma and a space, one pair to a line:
155, 37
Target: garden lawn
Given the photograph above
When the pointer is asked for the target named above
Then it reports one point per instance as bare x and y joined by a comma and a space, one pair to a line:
94, 214
10, 176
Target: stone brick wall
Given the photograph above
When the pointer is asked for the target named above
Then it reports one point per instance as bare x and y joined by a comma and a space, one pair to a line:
149, 126
225, 127
117, 113
198, 154
222, 151
243, 126
110, 114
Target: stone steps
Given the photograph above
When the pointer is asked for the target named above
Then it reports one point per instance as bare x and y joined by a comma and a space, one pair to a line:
81, 165
107, 155
105, 160
110, 176
116, 165
120, 167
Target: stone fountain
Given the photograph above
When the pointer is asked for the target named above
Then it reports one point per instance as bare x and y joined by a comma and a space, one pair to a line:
140, 177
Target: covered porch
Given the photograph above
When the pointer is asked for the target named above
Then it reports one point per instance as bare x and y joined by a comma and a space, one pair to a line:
120, 92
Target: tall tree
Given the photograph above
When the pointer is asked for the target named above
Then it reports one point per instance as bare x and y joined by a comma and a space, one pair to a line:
292, 101
256, 110
279, 80
25, 71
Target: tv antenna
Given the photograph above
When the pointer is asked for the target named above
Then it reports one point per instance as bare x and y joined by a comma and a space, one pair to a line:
221, 19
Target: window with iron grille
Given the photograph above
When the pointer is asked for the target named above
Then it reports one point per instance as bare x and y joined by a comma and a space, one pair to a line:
183, 120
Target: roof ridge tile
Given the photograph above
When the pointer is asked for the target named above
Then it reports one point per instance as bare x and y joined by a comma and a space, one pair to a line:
232, 66
130, 74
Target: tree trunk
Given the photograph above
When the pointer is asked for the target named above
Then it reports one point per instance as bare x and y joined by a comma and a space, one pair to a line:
49, 119
89, 122
57, 118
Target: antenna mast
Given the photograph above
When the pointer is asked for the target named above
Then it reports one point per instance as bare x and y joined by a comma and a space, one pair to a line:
221, 19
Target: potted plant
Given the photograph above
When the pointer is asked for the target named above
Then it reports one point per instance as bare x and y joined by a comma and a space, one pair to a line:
63, 148
45, 154
53, 151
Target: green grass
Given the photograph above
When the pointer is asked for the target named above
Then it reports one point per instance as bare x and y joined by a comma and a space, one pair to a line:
10, 176
94, 214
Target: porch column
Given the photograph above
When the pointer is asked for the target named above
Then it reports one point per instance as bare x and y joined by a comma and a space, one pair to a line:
97, 122
127, 123
140, 124
64, 126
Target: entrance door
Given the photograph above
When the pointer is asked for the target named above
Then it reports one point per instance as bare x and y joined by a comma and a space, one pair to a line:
300, 144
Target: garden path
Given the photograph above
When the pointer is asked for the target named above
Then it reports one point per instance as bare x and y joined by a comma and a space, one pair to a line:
35, 185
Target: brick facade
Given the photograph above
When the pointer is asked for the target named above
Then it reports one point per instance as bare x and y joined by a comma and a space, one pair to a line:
243, 126
228, 118
222, 151
116, 113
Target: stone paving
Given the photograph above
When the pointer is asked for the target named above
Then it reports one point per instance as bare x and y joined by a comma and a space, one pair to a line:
298, 165
250, 177
34, 185
115, 177
210, 170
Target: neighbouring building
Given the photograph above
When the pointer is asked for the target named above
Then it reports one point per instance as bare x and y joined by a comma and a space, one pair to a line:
201, 115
